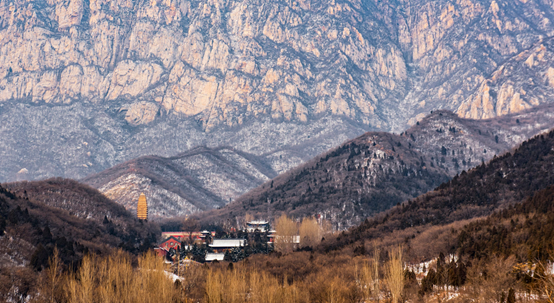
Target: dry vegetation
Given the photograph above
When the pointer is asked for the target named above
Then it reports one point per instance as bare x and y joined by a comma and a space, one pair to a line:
286, 229
501, 258
309, 233
395, 274
33, 228
295, 277
506, 180
123, 278
109, 279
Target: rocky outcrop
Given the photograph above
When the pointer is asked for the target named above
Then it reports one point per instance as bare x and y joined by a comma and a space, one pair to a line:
524, 81
123, 71
141, 113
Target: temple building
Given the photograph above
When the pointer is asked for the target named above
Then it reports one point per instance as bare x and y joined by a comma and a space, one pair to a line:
201, 236
142, 207
261, 226
223, 245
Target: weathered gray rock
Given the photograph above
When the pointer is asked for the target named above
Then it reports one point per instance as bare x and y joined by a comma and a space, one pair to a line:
85, 85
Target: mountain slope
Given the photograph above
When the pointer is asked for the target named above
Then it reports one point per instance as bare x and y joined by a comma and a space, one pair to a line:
200, 179
85, 85
37, 217
523, 230
440, 215
378, 170
82, 216
469, 142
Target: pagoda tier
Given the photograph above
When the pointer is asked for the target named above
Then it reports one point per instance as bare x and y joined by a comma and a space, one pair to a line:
142, 207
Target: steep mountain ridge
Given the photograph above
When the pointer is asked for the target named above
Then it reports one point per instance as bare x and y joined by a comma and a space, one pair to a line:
85, 85
378, 170
469, 142
200, 179
442, 215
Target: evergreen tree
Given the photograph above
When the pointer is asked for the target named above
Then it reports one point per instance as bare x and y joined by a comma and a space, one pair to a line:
511, 296
39, 259
2, 225
13, 215
47, 235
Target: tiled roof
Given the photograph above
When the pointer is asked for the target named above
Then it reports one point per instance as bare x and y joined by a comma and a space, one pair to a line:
169, 239
257, 222
213, 257
222, 243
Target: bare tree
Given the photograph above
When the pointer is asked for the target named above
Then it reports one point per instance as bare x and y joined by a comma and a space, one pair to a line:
395, 274
286, 232
326, 228
190, 225
367, 280
376, 289
546, 280
51, 279
310, 232
490, 278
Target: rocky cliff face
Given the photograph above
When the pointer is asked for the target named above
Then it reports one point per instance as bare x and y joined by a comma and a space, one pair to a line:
200, 179
90, 83
378, 170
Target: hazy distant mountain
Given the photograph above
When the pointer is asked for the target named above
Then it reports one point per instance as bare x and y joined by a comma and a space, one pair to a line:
85, 85
200, 179
378, 170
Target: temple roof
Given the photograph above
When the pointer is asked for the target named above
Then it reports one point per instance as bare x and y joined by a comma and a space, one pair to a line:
226, 243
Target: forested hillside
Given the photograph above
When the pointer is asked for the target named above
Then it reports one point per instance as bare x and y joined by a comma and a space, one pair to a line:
486, 235
524, 230
37, 216
437, 215
77, 199
378, 170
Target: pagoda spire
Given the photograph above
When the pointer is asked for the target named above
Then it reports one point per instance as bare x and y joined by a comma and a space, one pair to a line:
142, 207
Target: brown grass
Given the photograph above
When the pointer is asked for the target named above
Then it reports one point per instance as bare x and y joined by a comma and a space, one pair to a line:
238, 286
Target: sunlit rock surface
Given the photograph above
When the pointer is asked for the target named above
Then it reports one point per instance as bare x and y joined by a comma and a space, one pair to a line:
85, 85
